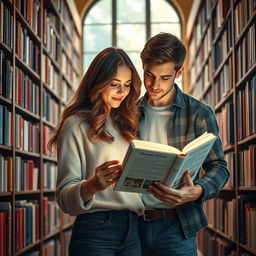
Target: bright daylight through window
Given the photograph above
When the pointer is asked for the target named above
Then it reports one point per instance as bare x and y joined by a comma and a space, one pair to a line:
127, 24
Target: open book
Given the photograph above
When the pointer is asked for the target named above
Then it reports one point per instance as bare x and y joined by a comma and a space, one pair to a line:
146, 162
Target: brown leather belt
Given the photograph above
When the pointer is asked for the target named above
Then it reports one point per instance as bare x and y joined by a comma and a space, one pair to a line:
157, 214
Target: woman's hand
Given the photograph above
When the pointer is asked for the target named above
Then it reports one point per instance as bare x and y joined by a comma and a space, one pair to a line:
106, 174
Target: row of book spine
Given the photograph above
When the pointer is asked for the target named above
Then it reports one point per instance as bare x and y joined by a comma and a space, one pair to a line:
51, 108
223, 45
39, 65
51, 35
27, 92
243, 12
5, 228
52, 218
6, 25
219, 246
222, 216
26, 132
27, 223
246, 112
222, 74
26, 48
246, 52
247, 166
27, 230
30, 10
24, 175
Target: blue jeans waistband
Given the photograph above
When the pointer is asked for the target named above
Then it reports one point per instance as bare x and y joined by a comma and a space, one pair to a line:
109, 214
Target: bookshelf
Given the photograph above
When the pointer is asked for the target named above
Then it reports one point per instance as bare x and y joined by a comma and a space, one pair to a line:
222, 65
39, 70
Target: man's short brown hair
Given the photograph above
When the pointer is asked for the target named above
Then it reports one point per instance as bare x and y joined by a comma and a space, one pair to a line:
162, 48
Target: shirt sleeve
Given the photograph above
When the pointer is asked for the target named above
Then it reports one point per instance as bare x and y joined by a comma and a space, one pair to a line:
71, 166
215, 166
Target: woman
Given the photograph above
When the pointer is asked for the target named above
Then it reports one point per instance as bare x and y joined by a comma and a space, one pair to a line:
91, 138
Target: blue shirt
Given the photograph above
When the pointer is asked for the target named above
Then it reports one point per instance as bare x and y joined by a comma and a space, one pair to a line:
189, 119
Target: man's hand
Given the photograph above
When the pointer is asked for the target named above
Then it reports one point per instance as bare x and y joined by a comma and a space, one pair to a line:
174, 197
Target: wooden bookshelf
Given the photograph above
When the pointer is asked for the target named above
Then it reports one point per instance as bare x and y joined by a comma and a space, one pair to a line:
222, 64
40, 67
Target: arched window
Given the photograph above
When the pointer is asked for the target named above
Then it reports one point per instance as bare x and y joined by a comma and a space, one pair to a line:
127, 24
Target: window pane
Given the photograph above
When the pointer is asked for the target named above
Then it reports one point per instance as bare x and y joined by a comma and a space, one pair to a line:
131, 11
88, 58
97, 32
131, 37
136, 60
174, 29
161, 11
100, 13
97, 37
135, 57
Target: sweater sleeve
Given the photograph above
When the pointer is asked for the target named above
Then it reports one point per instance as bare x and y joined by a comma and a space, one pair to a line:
216, 172
71, 167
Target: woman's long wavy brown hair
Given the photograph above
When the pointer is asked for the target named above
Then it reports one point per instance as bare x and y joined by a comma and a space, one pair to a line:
87, 101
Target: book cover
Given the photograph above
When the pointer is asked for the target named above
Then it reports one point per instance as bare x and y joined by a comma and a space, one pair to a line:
146, 162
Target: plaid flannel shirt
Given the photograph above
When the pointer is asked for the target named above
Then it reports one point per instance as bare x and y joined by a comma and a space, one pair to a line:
189, 119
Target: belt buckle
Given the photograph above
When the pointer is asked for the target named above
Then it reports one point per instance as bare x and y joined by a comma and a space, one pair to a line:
144, 215
145, 218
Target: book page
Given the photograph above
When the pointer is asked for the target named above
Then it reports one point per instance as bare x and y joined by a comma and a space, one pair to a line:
144, 168
148, 145
198, 141
193, 162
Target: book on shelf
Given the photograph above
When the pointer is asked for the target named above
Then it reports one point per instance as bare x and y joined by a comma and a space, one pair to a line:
6, 124
6, 174
5, 76
26, 175
5, 228
27, 92
6, 25
27, 223
146, 162
1, 124
246, 220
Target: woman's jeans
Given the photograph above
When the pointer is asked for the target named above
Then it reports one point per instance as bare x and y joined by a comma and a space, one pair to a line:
105, 233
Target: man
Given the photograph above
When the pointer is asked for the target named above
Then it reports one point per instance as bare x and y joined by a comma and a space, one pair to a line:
169, 116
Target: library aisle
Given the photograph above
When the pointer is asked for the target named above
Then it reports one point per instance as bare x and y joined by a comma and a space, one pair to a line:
222, 64
40, 67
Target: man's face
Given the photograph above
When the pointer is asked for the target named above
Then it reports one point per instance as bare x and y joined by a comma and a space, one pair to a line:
159, 82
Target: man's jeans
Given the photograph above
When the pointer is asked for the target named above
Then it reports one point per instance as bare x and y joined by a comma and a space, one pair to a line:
165, 237
105, 233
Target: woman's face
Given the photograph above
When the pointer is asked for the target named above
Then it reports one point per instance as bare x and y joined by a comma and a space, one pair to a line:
118, 88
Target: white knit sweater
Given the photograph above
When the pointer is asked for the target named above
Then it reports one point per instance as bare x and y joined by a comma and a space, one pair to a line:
77, 160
